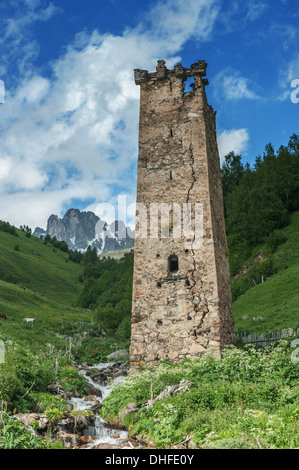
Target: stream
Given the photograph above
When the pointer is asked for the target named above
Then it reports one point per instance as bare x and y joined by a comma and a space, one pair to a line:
100, 431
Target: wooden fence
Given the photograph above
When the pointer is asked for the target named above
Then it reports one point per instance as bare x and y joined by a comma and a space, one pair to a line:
264, 341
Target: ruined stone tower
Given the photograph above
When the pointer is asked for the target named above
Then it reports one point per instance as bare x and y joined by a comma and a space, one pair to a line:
181, 288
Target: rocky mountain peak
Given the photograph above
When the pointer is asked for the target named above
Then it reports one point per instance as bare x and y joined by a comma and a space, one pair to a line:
82, 229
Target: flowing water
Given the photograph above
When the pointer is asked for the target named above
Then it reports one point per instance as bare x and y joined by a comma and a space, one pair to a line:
100, 432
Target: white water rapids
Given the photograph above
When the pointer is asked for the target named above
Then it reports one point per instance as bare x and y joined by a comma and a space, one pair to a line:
99, 432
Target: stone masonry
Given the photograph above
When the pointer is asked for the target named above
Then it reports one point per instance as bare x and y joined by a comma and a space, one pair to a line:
181, 296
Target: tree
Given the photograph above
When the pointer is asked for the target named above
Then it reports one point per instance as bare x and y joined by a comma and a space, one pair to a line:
231, 172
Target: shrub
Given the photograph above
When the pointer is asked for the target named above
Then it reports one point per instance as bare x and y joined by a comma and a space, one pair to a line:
45, 401
275, 239
9, 384
54, 414
71, 380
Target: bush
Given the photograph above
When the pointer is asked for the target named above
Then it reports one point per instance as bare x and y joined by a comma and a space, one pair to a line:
94, 350
275, 239
54, 415
45, 401
72, 381
9, 384
6, 227
124, 329
256, 274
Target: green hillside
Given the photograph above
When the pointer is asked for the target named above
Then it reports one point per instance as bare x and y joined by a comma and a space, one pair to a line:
276, 300
115, 254
37, 280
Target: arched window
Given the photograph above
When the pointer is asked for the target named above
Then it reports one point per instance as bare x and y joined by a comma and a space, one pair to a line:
173, 264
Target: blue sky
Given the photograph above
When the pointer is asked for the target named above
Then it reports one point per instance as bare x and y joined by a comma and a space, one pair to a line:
69, 123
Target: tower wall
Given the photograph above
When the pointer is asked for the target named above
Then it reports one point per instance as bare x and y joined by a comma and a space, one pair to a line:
181, 308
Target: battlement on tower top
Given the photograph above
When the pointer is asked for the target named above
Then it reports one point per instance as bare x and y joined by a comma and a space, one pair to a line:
198, 69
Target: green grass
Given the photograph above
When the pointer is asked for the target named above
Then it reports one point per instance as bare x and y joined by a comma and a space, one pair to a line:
37, 281
47, 272
288, 252
17, 303
277, 299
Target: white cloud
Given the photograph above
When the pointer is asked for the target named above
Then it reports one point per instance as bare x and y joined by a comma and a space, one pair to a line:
175, 21
75, 135
33, 90
5, 167
234, 140
230, 85
15, 26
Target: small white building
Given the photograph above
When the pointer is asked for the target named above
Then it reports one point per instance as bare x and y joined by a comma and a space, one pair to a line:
29, 320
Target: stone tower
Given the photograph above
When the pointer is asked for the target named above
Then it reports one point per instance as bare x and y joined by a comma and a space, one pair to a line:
181, 288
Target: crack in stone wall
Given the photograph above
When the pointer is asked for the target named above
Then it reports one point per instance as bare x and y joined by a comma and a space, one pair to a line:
197, 291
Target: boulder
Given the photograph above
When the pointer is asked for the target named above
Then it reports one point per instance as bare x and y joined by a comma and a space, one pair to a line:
92, 390
107, 446
68, 438
85, 365
96, 408
70, 407
120, 354
91, 398
86, 439
27, 418
43, 422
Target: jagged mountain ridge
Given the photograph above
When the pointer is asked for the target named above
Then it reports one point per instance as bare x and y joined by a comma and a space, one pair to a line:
82, 229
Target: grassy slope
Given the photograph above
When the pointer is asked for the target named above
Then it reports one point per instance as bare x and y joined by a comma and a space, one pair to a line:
44, 286
115, 254
277, 299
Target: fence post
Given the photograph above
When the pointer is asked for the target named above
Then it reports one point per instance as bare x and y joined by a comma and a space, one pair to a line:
272, 336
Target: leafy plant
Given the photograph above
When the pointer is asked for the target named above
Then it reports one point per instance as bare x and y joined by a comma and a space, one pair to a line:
13, 435
71, 380
46, 401
54, 414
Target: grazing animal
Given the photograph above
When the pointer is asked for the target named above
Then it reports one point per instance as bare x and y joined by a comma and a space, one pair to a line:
3, 316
